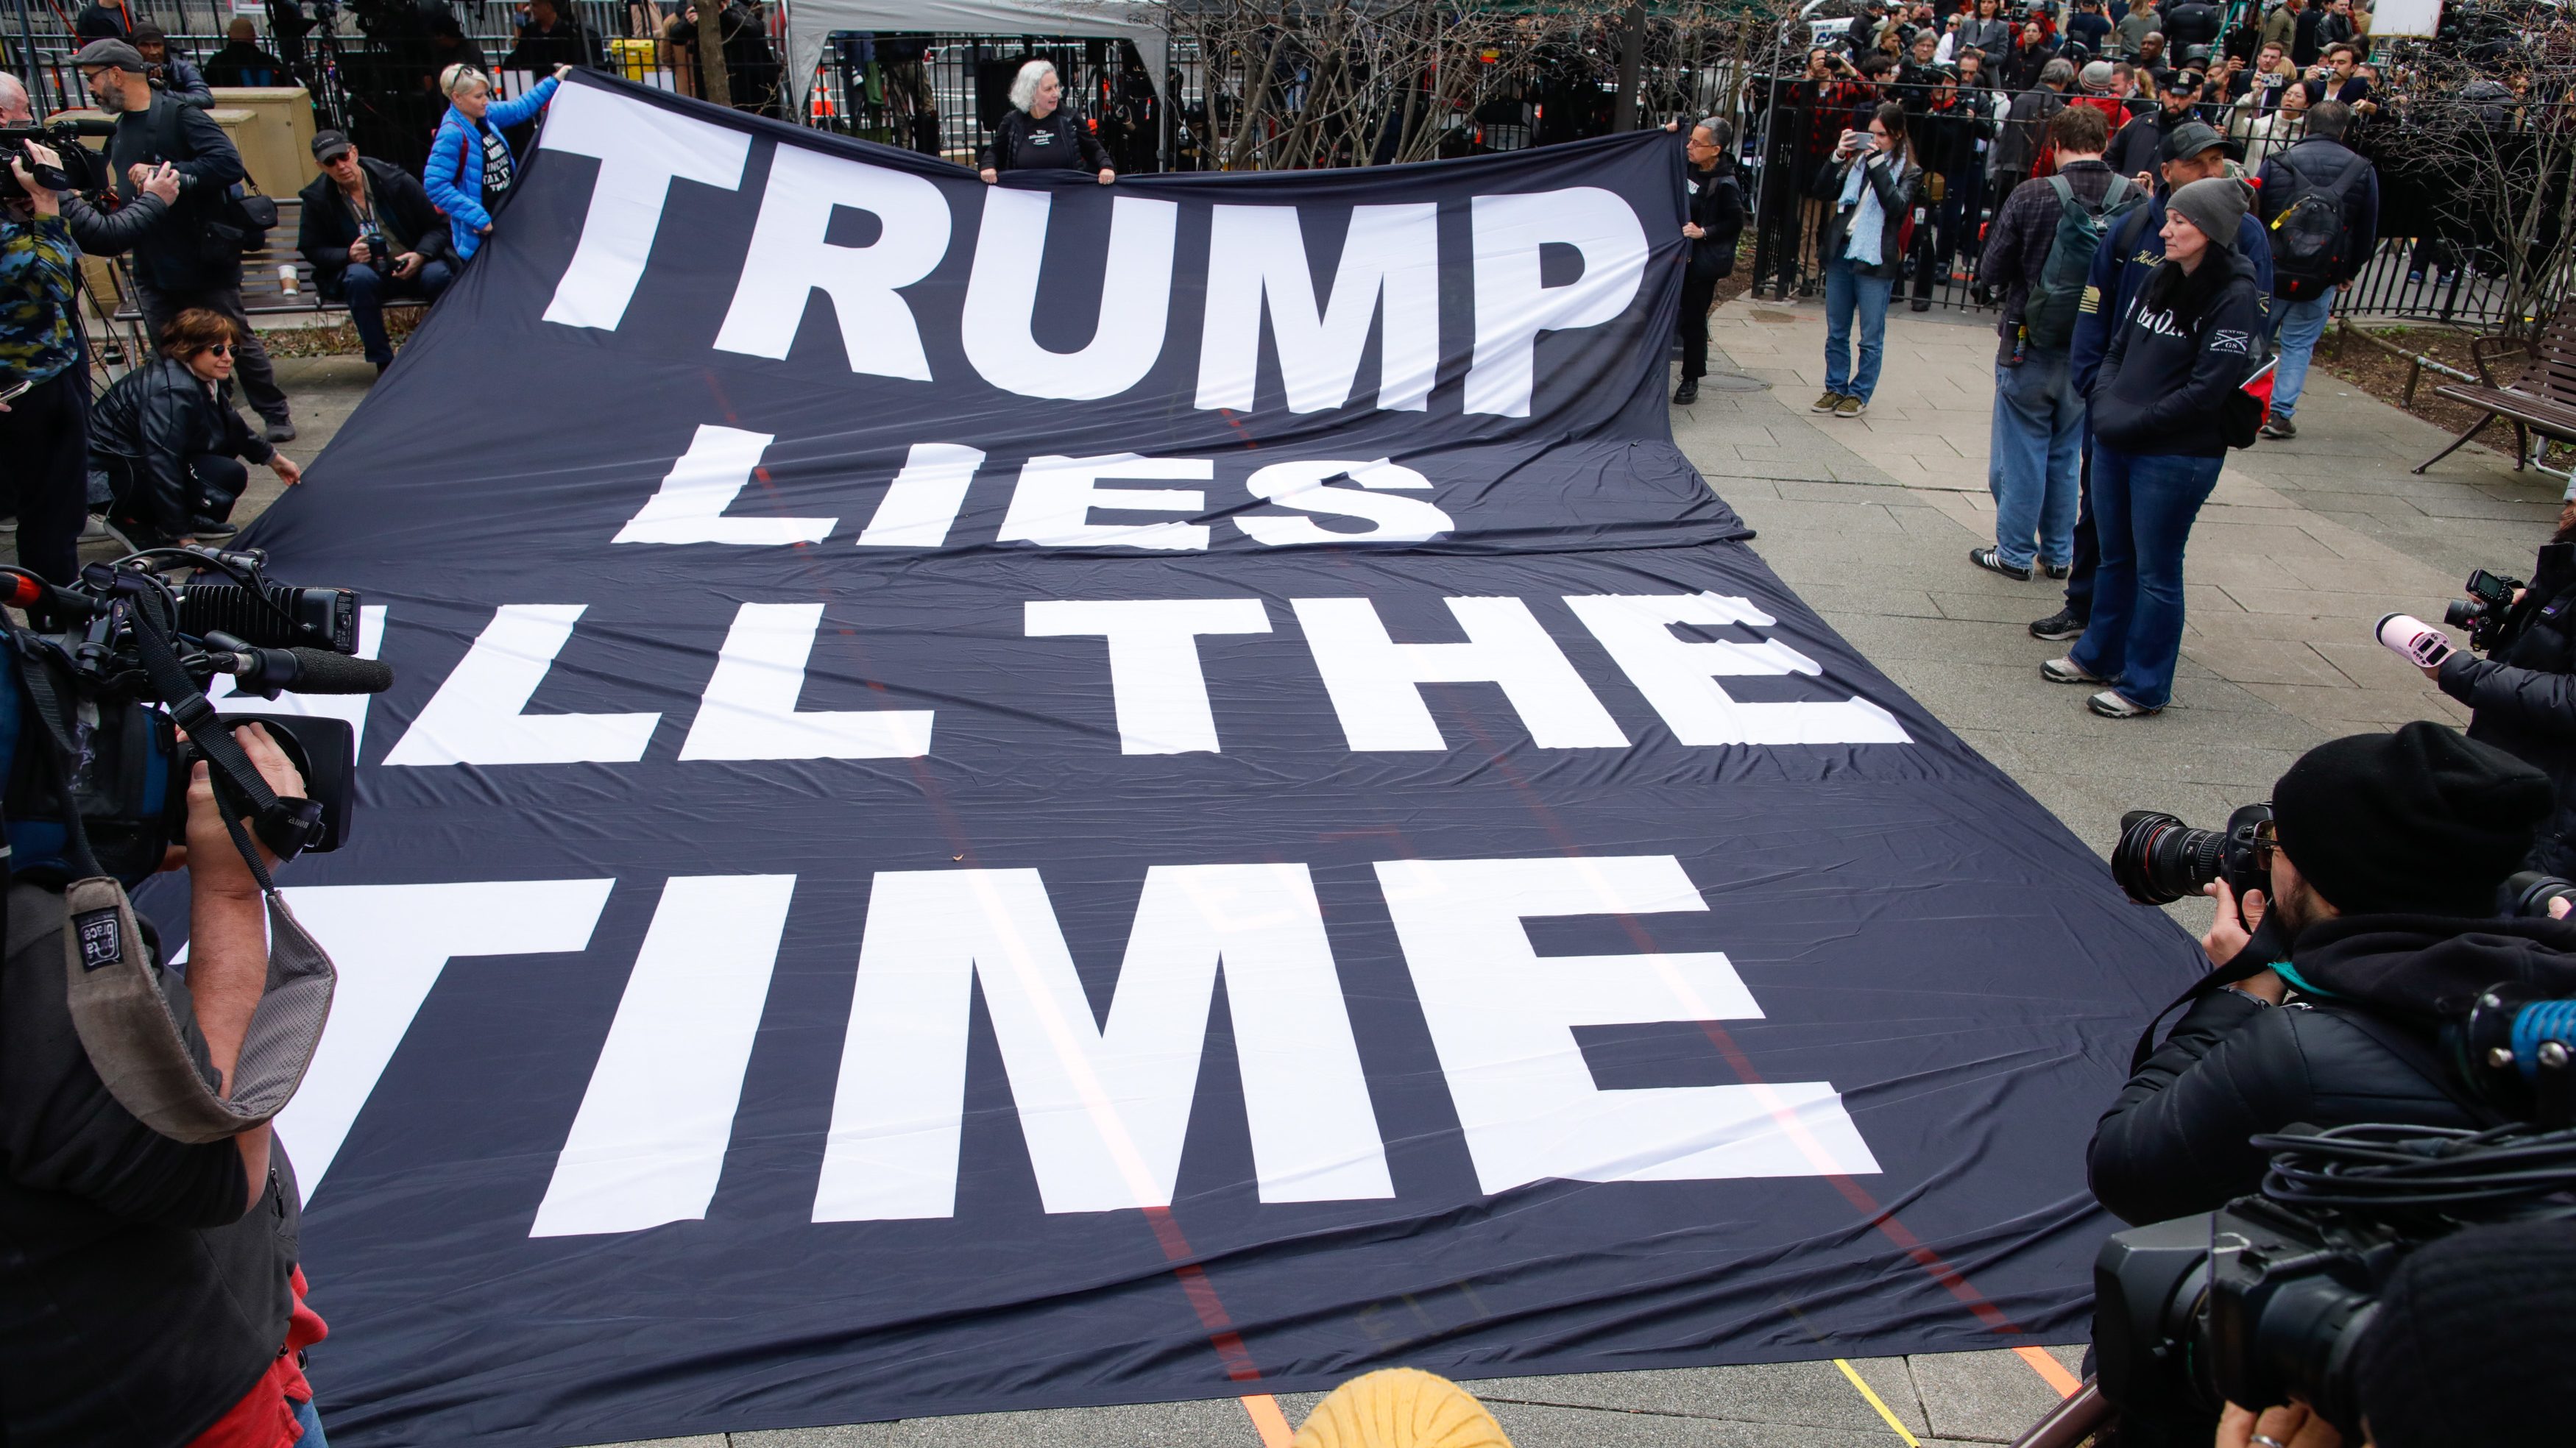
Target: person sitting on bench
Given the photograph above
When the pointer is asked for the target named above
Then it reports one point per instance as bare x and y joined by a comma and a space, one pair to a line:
372, 237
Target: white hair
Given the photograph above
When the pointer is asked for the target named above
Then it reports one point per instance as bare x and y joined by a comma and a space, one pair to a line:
1024, 86
458, 76
13, 93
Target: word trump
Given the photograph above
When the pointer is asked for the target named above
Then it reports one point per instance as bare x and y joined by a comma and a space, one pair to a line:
1385, 283
750, 709
1103, 1103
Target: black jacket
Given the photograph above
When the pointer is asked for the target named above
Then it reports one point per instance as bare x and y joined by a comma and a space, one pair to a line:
111, 233
1717, 208
138, 1301
1898, 184
2524, 695
403, 213
569, 43
2139, 144
144, 430
183, 254
2189, 340
243, 63
185, 82
1060, 142
2316, 159
2358, 1047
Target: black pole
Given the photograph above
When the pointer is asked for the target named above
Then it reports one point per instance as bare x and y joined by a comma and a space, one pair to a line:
1632, 53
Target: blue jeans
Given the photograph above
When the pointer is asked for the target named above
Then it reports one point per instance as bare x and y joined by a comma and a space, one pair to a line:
2296, 326
2143, 506
310, 1421
1845, 291
366, 290
2033, 458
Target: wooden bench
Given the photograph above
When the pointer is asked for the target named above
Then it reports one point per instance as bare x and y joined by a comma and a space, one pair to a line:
2540, 399
263, 288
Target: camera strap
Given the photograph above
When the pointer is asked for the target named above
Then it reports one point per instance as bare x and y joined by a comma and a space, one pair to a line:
2261, 949
118, 1010
285, 826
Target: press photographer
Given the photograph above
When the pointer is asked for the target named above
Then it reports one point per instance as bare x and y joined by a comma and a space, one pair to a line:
2371, 888
2522, 695
149, 1287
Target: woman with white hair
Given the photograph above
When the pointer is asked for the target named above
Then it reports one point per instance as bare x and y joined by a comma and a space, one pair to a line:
471, 170
1041, 133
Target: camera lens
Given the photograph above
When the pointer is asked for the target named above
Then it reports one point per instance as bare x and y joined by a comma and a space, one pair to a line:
2159, 859
2463, 612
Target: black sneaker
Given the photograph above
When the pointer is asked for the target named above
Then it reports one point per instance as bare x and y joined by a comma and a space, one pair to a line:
2060, 626
1993, 562
203, 529
1922, 304
1687, 393
2056, 570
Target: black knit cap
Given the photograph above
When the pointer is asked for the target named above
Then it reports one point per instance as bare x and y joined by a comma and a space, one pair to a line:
2422, 821
2473, 1340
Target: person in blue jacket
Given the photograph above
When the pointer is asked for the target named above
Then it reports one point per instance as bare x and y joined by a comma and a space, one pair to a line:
471, 171
2129, 251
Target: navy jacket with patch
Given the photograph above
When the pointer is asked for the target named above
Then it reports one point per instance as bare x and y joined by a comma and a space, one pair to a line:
2129, 251
2174, 358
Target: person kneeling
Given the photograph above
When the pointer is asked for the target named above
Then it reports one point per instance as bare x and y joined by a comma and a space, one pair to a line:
170, 443
372, 237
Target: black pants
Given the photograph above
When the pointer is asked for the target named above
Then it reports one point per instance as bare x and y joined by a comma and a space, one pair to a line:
221, 481
1698, 291
44, 455
2088, 544
250, 359
216, 483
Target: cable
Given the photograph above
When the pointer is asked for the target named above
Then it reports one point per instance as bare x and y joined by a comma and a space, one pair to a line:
2501, 1172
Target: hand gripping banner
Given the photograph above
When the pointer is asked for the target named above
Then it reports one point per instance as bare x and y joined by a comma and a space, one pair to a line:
1047, 794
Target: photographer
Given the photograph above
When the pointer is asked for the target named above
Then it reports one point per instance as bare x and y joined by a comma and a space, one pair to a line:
2522, 696
46, 409
171, 73
372, 237
193, 258
149, 1289
2386, 854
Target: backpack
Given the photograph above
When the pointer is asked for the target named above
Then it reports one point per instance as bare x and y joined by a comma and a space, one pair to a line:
2049, 313
2310, 233
236, 222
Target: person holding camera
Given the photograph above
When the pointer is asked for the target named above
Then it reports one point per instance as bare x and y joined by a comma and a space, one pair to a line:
373, 237
170, 444
172, 73
192, 260
2522, 695
44, 389
150, 1292
1874, 184
2385, 856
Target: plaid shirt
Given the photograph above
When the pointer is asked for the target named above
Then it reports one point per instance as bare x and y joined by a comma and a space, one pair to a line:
36, 337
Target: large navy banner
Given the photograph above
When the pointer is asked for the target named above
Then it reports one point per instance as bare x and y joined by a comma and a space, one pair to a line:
1018, 796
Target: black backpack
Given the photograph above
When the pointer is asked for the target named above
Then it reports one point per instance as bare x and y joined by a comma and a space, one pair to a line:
2055, 297
234, 223
2310, 233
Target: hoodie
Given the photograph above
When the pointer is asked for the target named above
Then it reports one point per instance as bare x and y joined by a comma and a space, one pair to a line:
2359, 1043
2188, 340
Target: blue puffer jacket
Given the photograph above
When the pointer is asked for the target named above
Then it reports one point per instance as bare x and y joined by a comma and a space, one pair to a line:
454, 175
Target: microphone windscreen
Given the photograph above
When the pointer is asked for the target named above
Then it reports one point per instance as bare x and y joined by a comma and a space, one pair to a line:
320, 671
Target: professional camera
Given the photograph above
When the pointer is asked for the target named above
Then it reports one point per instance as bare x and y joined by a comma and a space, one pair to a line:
2159, 859
2531, 892
2482, 613
2268, 1298
109, 670
62, 137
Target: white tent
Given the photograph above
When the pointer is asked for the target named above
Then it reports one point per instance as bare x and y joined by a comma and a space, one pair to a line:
808, 21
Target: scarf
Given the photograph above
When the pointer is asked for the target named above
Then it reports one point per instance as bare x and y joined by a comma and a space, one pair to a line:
1869, 223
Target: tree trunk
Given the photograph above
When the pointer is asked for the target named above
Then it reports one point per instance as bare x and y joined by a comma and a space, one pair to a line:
711, 58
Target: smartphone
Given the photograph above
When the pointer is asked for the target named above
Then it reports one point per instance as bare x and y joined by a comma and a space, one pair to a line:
14, 391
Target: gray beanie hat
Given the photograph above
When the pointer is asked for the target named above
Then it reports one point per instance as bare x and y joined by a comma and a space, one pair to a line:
2097, 76
2216, 205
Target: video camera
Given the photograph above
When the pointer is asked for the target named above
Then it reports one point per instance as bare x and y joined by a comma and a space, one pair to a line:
60, 136
2481, 615
110, 669
2268, 1298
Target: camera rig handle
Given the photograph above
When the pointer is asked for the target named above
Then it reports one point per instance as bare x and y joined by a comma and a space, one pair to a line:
2517, 1043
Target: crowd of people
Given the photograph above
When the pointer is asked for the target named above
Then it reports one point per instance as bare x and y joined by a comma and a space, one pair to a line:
2155, 223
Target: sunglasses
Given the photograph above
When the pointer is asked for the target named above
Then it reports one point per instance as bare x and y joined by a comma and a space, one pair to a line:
221, 349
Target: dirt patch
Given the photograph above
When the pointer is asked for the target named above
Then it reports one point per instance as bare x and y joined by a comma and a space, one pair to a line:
2383, 375
338, 340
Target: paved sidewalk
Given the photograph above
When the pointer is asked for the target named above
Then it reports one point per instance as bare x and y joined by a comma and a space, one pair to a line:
2301, 550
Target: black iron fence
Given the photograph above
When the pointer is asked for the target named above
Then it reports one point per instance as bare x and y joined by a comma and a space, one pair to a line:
942, 94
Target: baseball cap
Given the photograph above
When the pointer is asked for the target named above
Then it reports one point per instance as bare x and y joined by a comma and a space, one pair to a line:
114, 54
327, 145
2186, 141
